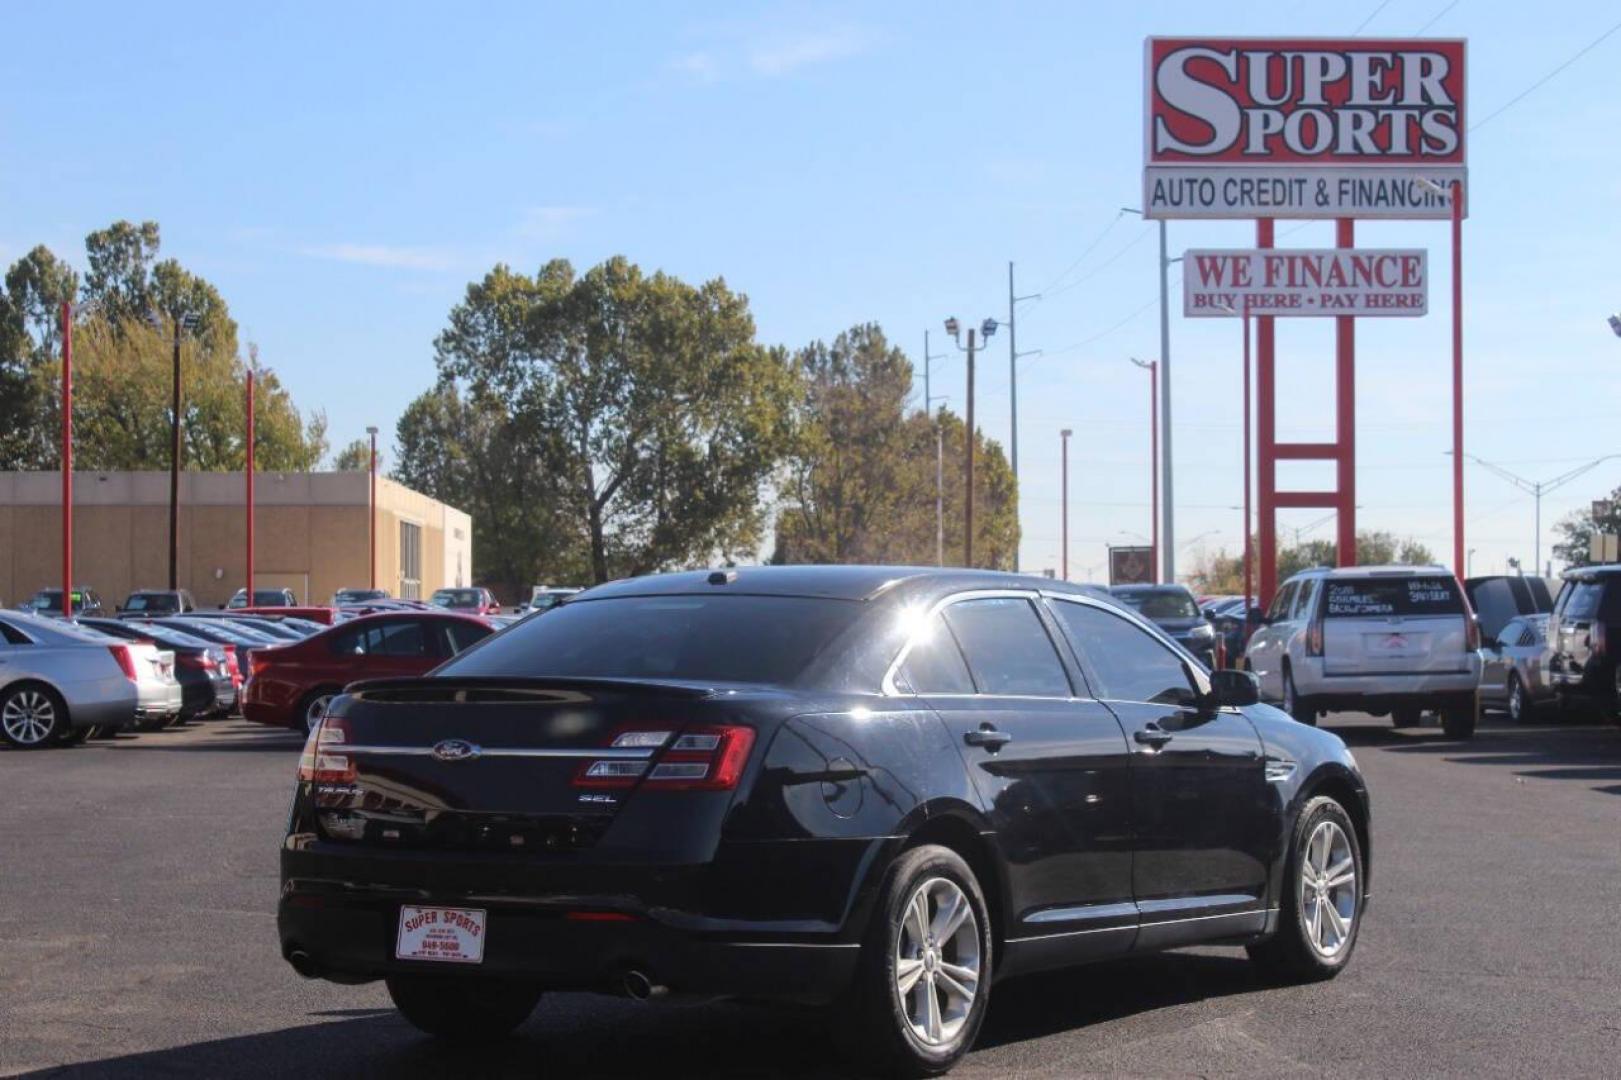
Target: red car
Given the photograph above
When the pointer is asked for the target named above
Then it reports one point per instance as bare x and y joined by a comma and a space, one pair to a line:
290, 685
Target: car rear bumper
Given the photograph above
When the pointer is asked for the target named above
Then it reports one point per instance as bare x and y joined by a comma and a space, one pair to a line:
1311, 680
575, 924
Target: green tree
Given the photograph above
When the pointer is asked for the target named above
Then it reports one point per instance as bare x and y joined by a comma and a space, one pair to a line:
1219, 573
356, 457
648, 398
36, 286
859, 483
1578, 529
472, 459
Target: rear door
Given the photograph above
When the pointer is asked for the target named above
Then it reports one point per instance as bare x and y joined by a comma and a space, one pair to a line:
1049, 762
1265, 651
1575, 616
1394, 625
1497, 658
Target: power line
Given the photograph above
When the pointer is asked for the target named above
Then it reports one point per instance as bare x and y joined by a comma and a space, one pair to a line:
1100, 267
1374, 14
1523, 94
1436, 18
1107, 229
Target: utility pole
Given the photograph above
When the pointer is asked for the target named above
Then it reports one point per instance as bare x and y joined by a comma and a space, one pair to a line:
1152, 367
174, 467
1063, 557
1538, 488
67, 459
253, 370
1169, 504
939, 456
1013, 355
987, 328
371, 527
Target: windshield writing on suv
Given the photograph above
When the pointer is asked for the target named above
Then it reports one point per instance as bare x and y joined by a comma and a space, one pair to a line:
1376, 597
764, 639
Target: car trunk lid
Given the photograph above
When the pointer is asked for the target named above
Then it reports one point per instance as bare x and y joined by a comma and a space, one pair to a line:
1393, 625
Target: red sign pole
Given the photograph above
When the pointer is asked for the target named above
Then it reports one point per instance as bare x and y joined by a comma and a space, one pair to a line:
250, 485
1267, 438
1345, 415
1458, 566
1249, 553
67, 460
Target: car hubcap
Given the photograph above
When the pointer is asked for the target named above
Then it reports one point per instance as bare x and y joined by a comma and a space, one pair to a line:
1328, 894
317, 711
937, 961
28, 717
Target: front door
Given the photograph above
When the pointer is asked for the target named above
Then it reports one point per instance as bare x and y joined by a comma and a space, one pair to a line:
1203, 815
1050, 767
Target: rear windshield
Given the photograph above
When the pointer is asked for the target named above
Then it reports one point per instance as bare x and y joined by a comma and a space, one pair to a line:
1160, 603
769, 639
1376, 597
151, 602
457, 598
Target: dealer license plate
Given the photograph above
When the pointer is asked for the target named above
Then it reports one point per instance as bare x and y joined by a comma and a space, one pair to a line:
448, 935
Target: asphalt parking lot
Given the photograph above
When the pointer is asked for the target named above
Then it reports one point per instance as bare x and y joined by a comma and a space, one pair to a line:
138, 880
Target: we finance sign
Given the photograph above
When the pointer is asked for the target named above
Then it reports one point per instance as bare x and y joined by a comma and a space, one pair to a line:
1302, 128
1359, 282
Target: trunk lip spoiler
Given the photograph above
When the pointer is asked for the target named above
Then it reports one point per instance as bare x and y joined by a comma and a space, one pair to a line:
536, 685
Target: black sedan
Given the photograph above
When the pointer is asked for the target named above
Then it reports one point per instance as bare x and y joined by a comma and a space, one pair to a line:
877, 789
1173, 609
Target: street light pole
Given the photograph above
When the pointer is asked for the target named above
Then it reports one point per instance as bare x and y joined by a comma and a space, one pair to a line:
1152, 367
1538, 488
371, 527
1165, 396
939, 455
1063, 558
174, 467
987, 328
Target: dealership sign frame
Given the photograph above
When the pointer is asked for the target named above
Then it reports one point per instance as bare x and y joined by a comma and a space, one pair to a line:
1304, 127
1305, 282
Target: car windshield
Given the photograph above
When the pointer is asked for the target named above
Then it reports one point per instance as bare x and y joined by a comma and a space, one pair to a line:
151, 602
1161, 603
1351, 598
51, 600
457, 598
764, 639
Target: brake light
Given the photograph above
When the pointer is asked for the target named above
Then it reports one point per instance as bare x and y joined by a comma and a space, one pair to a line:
1314, 638
201, 661
256, 663
231, 666
699, 759
1471, 633
324, 760
1596, 637
126, 661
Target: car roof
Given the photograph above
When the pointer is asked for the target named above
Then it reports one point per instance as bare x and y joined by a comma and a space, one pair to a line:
1386, 570
1143, 587
1590, 573
829, 582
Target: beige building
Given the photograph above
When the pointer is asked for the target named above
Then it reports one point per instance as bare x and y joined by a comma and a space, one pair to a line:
310, 535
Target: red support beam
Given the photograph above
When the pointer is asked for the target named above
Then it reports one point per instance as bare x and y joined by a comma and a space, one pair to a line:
1308, 451
1297, 500
1345, 415
1266, 429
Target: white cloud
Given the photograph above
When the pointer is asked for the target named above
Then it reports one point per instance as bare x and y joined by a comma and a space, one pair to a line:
546, 222
699, 66
384, 255
782, 56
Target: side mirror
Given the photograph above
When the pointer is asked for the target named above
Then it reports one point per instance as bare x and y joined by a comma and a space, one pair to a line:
1232, 688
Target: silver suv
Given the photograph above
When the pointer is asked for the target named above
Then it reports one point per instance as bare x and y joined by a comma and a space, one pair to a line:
1377, 639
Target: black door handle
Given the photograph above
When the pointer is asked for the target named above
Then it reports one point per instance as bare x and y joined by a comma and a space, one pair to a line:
988, 737
1152, 736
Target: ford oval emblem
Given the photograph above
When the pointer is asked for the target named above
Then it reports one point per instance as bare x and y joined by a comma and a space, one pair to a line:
455, 750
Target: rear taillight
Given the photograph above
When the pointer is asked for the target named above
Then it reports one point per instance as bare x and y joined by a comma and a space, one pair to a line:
256, 663
231, 666
324, 760
1471, 633
1314, 638
1596, 638
126, 661
698, 759
200, 661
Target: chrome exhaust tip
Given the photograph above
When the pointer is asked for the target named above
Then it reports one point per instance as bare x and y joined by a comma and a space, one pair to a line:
639, 987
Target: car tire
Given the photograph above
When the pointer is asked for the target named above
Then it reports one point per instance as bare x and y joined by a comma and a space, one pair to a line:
32, 716
1458, 721
888, 1026
1300, 708
1518, 703
1321, 912
307, 704
463, 1010
1406, 716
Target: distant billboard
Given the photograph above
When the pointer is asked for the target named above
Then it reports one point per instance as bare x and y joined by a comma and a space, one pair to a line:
1131, 566
1302, 127
1362, 282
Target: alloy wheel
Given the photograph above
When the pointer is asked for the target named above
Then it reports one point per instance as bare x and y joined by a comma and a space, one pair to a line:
29, 717
1328, 890
316, 711
937, 961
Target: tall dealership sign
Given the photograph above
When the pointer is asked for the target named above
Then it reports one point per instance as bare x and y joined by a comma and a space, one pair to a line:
1302, 128
1316, 129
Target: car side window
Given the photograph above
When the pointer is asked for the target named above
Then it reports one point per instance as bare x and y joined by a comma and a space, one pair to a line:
403, 639
10, 635
460, 635
1304, 595
1123, 661
1512, 634
1007, 648
934, 664
351, 642
1281, 602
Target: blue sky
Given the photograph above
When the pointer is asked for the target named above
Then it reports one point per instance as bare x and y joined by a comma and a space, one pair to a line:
342, 171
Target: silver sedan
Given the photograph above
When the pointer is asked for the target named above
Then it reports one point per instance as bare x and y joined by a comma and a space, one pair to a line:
1513, 675
58, 681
